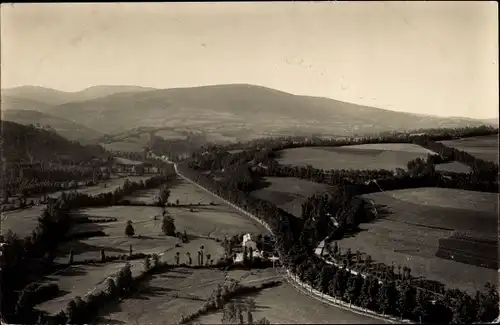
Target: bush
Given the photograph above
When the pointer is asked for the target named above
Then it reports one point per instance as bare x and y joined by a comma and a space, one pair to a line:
168, 226
129, 229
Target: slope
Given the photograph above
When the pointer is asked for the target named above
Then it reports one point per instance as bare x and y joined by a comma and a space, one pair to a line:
21, 143
51, 97
66, 128
240, 109
11, 102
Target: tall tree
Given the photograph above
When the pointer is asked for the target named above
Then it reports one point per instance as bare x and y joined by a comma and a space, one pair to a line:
163, 195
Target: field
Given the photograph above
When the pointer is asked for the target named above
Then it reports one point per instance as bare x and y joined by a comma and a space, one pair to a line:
454, 166
77, 281
367, 156
413, 230
180, 190
169, 296
24, 221
126, 161
285, 305
123, 146
288, 193
483, 147
202, 224
21, 222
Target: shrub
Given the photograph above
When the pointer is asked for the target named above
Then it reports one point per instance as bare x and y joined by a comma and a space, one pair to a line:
129, 229
168, 226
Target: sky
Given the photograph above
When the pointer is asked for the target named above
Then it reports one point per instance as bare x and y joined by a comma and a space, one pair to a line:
438, 58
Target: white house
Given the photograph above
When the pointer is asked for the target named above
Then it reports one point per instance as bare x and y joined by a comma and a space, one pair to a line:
248, 242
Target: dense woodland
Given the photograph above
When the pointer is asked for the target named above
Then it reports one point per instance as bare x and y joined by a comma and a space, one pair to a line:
36, 161
382, 289
28, 144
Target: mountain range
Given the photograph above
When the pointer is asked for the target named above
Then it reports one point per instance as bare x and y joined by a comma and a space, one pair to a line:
230, 112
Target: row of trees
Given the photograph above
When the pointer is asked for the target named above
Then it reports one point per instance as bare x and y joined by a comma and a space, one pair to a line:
28, 259
280, 143
481, 168
26, 187
296, 241
78, 199
82, 311
262, 154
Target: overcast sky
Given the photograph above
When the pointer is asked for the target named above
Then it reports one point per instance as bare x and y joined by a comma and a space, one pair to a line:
437, 58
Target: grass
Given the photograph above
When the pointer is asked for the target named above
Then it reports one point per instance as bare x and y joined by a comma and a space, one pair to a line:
447, 198
23, 222
410, 233
483, 147
453, 166
202, 225
288, 193
126, 161
366, 156
284, 305
169, 296
78, 281
124, 146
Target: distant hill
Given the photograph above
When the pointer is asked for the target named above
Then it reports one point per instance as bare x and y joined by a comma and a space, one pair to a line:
51, 97
240, 111
9, 102
66, 128
492, 121
21, 143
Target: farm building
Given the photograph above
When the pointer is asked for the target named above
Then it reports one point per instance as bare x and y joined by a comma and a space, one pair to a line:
122, 165
248, 242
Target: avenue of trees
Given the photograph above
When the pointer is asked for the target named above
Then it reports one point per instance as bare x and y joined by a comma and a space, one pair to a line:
382, 289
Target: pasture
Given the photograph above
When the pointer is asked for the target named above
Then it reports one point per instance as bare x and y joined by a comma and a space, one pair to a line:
413, 230
454, 166
483, 147
288, 193
124, 145
202, 224
180, 190
178, 292
366, 156
126, 161
78, 281
23, 222
285, 305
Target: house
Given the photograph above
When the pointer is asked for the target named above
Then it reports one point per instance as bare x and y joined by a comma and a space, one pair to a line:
248, 242
239, 256
123, 165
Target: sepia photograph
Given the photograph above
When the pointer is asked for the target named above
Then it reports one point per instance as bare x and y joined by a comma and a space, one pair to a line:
289, 162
